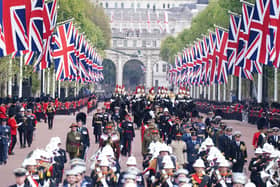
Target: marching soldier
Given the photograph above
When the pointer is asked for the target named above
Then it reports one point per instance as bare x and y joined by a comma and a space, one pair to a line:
238, 153
179, 149
50, 111
128, 134
225, 142
73, 142
105, 117
97, 125
222, 176
199, 178
31, 123
5, 138
257, 164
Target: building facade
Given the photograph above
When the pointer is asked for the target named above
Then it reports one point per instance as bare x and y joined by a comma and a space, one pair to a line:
139, 27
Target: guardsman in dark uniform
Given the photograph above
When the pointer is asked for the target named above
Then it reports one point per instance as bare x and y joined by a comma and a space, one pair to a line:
238, 153
225, 142
116, 118
81, 121
192, 150
31, 123
105, 117
50, 111
97, 125
164, 126
128, 134
73, 142
20, 118
5, 138
21, 178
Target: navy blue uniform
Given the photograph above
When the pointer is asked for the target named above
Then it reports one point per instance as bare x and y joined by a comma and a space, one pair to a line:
5, 137
127, 136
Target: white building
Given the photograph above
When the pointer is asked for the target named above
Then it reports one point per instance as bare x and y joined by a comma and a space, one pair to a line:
139, 26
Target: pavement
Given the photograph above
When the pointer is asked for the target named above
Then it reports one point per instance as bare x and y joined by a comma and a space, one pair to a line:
61, 127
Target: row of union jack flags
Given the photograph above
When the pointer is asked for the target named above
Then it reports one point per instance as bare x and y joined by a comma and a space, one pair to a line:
28, 27
74, 57
252, 40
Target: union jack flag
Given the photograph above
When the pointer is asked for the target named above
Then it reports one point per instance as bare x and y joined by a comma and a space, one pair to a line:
49, 23
232, 48
2, 37
212, 57
14, 17
35, 33
243, 37
64, 52
275, 32
221, 45
258, 44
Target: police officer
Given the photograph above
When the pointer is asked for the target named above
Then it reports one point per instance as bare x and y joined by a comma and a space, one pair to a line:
5, 138
128, 134
97, 125
73, 142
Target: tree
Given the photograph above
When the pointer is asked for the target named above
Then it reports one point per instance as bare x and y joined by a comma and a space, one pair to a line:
90, 17
215, 13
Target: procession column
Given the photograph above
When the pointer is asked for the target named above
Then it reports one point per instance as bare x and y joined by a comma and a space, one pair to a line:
275, 85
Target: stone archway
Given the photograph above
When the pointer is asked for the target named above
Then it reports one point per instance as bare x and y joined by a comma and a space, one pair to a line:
133, 74
109, 73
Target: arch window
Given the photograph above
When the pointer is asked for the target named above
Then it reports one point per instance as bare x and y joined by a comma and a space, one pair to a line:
107, 5
148, 5
168, 5
163, 6
122, 5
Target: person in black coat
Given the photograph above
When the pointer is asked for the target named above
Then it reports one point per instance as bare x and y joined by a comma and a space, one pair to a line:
192, 151
257, 164
20, 175
225, 142
128, 134
238, 153
81, 121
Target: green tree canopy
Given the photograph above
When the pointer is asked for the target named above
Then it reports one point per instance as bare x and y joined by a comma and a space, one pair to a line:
215, 13
90, 17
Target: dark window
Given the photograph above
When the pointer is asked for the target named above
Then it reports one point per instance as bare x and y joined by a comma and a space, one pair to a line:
122, 5
156, 67
148, 5
163, 6
107, 5
164, 68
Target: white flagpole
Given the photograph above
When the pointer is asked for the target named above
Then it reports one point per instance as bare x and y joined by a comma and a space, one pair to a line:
219, 92
20, 76
58, 93
10, 79
209, 92
260, 85
275, 85
53, 90
48, 82
214, 92
239, 88
225, 92
204, 90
